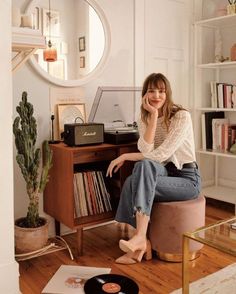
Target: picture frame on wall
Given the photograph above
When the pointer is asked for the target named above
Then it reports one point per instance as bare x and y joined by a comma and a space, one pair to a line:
82, 62
36, 15
82, 44
70, 113
55, 23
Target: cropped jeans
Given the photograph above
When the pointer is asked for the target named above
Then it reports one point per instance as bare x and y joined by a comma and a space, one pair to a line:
151, 182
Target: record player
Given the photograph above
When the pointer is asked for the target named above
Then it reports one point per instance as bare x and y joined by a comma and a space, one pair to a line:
115, 107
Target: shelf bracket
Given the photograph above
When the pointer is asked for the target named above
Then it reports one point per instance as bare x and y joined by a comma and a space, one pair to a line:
21, 57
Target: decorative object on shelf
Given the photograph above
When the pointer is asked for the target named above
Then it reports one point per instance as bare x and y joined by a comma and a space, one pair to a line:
218, 46
29, 159
233, 148
50, 53
233, 52
27, 21
213, 8
231, 7
15, 16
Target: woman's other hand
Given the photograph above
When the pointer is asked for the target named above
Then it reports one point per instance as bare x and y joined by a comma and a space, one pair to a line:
115, 165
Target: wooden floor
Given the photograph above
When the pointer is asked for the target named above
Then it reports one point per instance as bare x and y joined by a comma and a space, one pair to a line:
101, 249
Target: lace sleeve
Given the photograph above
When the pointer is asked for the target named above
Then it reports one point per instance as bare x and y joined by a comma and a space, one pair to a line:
179, 129
143, 146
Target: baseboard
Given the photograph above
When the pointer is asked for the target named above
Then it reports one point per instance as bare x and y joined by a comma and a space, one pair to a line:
221, 182
220, 204
227, 183
9, 278
207, 183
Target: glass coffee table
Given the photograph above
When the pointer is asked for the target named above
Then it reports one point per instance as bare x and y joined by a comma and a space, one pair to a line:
220, 235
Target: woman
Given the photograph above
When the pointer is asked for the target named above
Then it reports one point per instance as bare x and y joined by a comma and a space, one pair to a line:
165, 170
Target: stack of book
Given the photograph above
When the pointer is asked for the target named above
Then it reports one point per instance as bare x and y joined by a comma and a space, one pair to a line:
217, 132
223, 95
90, 194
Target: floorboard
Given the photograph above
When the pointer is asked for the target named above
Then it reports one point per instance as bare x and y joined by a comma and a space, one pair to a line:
101, 249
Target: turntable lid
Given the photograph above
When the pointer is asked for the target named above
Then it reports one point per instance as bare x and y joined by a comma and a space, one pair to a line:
116, 106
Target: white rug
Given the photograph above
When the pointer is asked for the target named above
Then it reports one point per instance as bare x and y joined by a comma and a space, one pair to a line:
220, 282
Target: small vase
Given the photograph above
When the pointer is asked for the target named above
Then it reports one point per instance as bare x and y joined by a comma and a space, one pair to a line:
233, 52
231, 8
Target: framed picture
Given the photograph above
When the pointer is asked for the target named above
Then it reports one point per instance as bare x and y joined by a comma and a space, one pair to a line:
57, 69
51, 18
82, 44
82, 62
70, 113
37, 24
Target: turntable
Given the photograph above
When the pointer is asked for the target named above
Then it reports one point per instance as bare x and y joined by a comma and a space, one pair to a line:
115, 107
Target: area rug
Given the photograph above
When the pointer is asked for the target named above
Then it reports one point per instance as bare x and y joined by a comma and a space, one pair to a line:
220, 282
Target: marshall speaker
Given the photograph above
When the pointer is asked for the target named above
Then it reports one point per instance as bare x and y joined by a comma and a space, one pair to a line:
83, 134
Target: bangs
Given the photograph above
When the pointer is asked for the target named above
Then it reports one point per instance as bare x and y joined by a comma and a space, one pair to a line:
157, 82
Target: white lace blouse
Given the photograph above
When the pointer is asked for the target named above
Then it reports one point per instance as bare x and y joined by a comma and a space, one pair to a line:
175, 146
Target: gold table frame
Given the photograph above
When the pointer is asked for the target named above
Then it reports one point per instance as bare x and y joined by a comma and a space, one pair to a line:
219, 230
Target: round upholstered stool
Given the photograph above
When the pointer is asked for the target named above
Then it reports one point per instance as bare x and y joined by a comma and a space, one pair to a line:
169, 220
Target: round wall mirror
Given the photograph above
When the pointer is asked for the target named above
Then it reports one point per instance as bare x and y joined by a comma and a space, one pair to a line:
79, 32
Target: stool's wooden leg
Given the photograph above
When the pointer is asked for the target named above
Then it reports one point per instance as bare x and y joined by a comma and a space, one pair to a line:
185, 269
57, 228
80, 241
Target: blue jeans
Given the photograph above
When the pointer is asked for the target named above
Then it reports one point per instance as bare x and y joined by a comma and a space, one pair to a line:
152, 182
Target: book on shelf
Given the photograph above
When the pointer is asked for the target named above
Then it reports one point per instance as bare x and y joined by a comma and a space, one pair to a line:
232, 134
220, 134
203, 131
222, 95
90, 194
207, 118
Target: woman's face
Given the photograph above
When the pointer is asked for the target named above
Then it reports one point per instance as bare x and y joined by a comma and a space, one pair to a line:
157, 95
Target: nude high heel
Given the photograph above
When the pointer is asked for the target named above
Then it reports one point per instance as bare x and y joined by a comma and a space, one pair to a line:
125, 259
138, 252
147, 254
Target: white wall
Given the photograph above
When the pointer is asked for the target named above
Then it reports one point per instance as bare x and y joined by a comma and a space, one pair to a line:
8, 267
118, 71
159, 30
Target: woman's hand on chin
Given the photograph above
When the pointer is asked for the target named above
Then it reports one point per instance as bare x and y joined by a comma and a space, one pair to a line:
147, 106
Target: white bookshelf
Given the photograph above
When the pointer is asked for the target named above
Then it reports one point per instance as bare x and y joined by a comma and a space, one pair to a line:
218, 22
216, 109
220, 193
217, 153
206, 70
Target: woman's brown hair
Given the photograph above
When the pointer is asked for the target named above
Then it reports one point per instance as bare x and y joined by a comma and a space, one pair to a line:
169, 108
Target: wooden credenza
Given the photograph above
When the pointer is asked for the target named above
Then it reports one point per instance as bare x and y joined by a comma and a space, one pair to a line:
59, 193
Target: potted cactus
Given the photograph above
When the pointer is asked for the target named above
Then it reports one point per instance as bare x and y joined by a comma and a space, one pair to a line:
28, 158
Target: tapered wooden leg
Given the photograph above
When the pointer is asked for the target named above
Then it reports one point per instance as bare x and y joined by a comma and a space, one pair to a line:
185, 268
57, 228
80, 241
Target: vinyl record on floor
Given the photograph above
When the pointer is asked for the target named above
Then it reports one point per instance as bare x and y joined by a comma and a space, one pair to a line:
110, 283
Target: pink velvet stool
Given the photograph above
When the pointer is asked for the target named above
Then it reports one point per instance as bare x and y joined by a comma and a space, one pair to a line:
169, 220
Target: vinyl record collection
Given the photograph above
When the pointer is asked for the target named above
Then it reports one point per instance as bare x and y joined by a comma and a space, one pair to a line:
110, 283
90, 194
